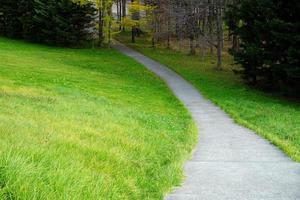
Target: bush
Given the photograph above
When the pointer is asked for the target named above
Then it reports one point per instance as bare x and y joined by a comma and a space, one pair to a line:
57, 22
269, 31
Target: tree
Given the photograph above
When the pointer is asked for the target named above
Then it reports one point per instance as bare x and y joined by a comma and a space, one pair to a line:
55, 22
10, 24
135, 20
198, 21
270, 43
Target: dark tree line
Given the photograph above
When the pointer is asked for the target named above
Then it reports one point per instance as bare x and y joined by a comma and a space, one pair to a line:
55, 22
269, 31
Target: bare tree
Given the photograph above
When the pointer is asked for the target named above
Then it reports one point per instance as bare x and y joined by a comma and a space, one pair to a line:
200, 22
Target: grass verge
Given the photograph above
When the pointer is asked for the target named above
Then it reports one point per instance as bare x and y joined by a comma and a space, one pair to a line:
276, 119
87, 124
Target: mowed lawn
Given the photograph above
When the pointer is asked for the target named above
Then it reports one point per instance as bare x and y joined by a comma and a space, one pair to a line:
273, 117
87, 124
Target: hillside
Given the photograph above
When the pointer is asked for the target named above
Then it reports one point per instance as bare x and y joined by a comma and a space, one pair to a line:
86, 124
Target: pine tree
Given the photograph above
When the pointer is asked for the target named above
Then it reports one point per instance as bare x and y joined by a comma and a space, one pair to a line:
10, 24
270, 43
55, 22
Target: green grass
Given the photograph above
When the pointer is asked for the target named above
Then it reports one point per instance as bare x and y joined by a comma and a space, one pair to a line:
274, 118
87, 124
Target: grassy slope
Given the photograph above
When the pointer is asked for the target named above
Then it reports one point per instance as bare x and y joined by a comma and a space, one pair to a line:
276, 119
86, 124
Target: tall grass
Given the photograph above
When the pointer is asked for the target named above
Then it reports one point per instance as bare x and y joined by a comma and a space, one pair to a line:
87, 124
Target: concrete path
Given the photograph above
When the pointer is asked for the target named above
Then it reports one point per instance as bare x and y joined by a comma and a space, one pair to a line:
230, 162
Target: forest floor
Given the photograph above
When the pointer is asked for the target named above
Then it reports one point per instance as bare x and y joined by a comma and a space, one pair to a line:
87, 124
272, 117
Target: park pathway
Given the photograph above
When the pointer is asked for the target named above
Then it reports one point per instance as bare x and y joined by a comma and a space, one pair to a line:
230, 162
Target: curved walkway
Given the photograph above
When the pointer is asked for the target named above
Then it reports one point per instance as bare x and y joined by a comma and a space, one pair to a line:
230, 162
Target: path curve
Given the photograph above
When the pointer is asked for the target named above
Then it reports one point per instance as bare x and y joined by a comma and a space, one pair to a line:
230, 162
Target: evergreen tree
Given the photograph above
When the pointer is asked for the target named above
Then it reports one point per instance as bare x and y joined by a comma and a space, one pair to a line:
10, 24
55, 22
270, 43
26, 10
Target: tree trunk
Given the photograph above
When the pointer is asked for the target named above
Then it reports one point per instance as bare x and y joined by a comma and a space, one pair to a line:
109, 25
219, 35
210, 24
192, 46
123, 12
133, 30
119, 13
101, 24
153, 42
168, 35
235, 43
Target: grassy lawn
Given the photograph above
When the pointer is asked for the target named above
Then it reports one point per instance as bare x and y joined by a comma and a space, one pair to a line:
87, 124
274, 118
